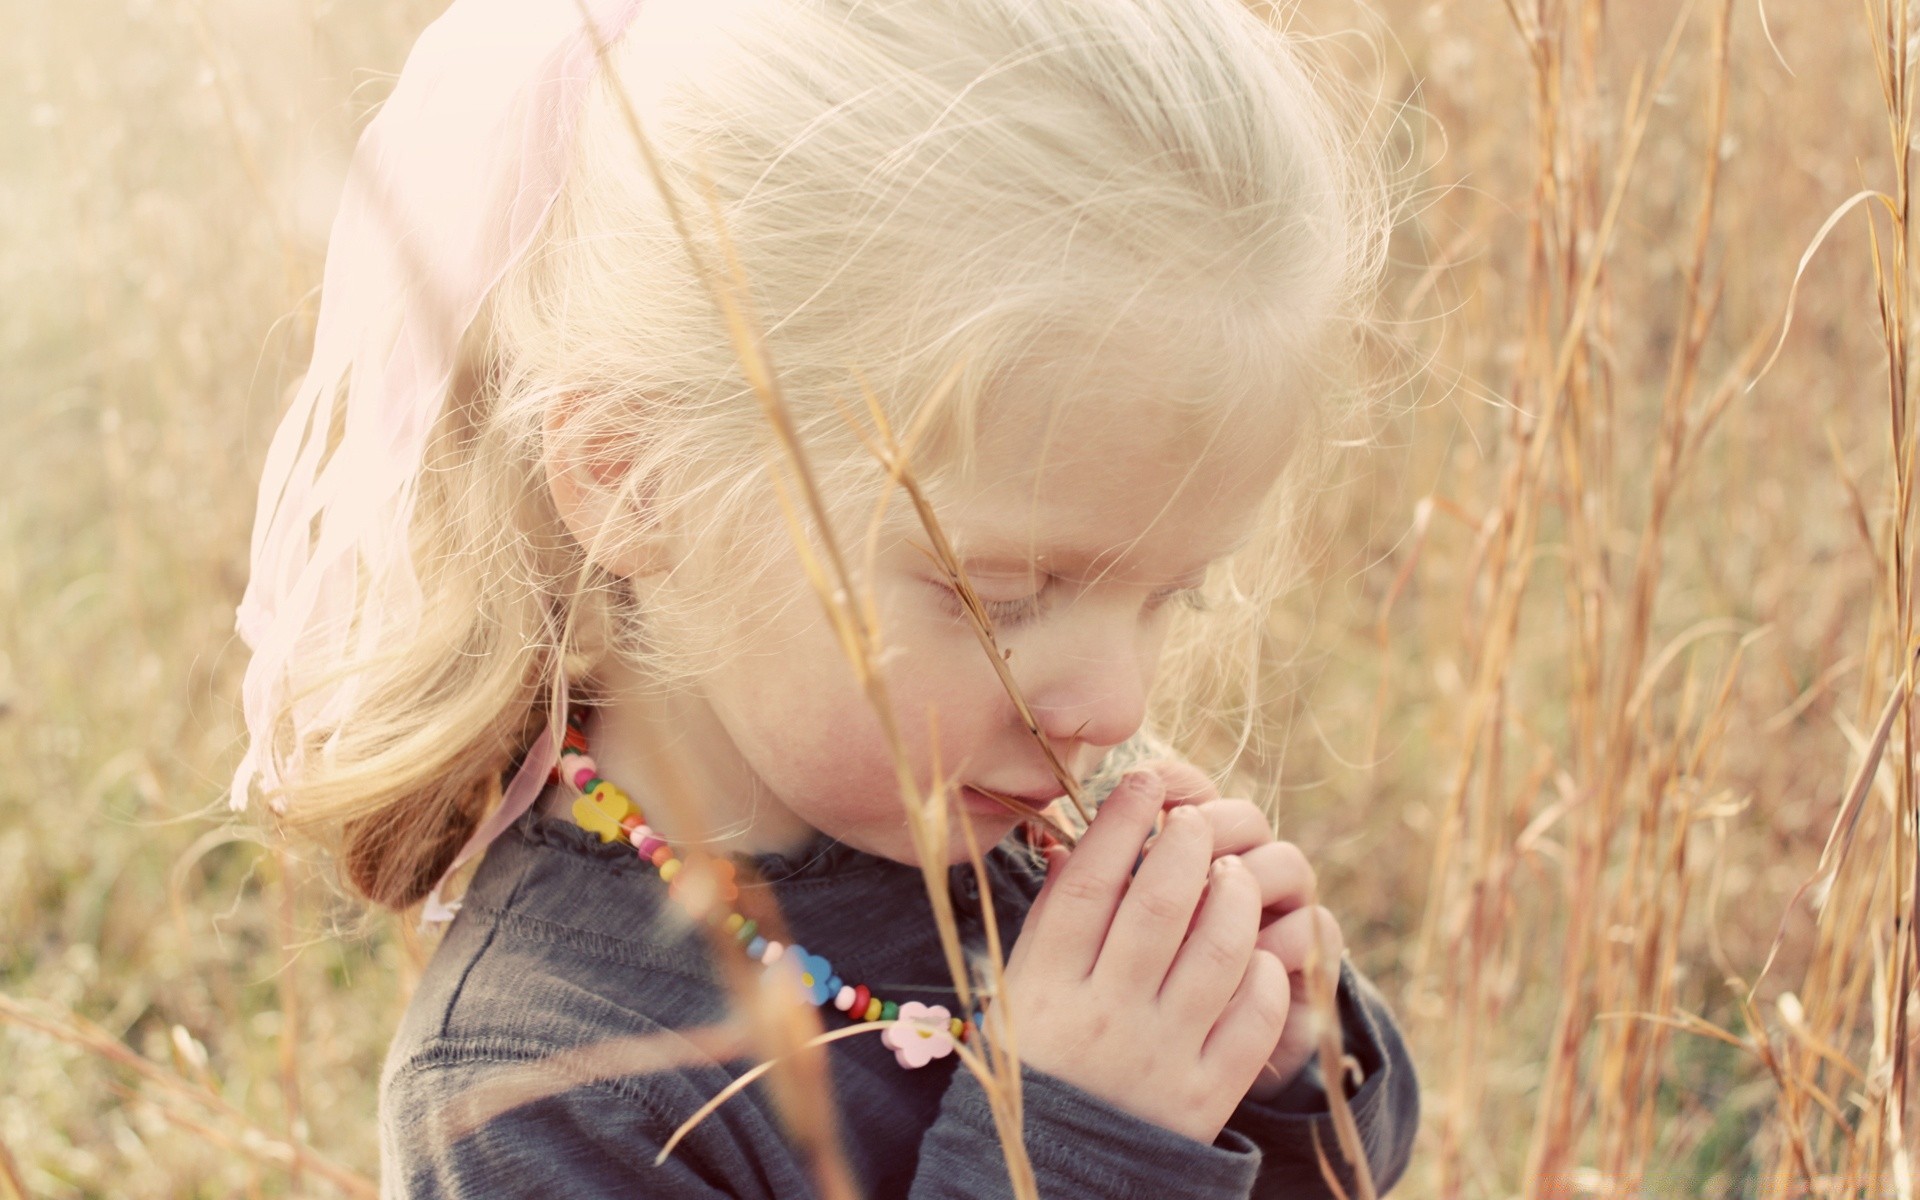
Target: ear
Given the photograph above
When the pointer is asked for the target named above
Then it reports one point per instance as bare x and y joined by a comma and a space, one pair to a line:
585, 484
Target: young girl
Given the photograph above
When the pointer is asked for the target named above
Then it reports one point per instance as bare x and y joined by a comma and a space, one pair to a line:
531, 587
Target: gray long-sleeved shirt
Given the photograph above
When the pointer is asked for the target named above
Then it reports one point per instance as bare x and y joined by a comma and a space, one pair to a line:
565, 944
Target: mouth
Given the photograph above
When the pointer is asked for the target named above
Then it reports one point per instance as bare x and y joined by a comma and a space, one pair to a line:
1030, 808
1026, 805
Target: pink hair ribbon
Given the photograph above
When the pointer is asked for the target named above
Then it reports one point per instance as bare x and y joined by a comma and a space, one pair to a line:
448, 188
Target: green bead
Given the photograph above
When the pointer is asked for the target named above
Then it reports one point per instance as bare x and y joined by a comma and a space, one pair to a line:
747, 931
889, 1010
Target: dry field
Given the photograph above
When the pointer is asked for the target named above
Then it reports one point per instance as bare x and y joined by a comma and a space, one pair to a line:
1591, 710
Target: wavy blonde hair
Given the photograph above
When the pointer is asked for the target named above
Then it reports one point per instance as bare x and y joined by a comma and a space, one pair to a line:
912, 187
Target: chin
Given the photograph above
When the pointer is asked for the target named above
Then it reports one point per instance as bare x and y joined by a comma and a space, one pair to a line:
989, 830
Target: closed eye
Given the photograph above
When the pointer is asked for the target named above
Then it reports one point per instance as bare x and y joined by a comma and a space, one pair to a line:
1004, 614
1008, 614
1185, 597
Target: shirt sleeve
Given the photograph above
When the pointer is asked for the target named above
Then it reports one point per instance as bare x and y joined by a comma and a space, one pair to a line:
592, 1143
581, 1144
1385, 1104
1081, 1148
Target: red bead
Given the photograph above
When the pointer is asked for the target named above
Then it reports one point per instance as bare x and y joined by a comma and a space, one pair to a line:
861, 998
575, 740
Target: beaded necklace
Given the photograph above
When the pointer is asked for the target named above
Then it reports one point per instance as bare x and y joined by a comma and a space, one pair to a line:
920, 1032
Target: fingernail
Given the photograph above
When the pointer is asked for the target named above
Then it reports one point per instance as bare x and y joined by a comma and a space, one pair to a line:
1146, 783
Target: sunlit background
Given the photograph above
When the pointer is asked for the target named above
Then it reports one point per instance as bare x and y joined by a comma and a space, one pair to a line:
1597, 638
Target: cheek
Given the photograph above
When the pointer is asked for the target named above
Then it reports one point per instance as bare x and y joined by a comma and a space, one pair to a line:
936, 665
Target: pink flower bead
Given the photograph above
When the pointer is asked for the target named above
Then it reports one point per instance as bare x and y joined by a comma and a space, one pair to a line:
923, 1033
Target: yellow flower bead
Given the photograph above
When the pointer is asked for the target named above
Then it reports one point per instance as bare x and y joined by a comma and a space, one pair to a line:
613, 801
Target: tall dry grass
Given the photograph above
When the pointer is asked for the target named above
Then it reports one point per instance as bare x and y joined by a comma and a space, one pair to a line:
1592, 715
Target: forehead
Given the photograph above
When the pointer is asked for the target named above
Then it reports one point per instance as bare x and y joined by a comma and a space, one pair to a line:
1115, 480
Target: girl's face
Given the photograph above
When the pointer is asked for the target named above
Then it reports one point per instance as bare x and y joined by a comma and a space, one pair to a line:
1081, 529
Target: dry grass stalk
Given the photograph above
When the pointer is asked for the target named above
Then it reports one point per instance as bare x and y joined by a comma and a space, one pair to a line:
171, 1090
1629, 794
10, 1175
849, 608
1865, 891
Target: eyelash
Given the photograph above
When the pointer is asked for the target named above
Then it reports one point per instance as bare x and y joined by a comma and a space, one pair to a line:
1008, 614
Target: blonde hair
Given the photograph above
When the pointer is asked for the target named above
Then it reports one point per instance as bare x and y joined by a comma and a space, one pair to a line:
909, 185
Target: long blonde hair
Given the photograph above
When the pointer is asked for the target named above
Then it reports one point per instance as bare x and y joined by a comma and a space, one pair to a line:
909, 185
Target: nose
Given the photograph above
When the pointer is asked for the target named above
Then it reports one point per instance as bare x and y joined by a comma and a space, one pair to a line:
1090, 688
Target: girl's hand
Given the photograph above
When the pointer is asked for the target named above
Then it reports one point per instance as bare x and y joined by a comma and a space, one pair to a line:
1290, 921
1111, 992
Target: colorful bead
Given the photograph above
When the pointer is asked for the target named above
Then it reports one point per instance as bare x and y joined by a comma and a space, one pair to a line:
572, 764
611, 796
595, 814
817, 979
719, 881
920, 1035
956, 1026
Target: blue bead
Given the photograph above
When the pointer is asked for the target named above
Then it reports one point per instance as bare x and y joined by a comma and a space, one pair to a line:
834, 985
756, 947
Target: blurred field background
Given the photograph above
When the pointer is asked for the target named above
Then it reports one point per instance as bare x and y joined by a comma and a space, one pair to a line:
1592, 659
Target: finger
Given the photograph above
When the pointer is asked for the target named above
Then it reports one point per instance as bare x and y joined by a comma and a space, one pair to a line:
1056, 856
1238, 825
1185, 783
1300, 1038
1082, 899
1286, 878
1153, 916
1304, 935
1211, 963
1250, 1028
